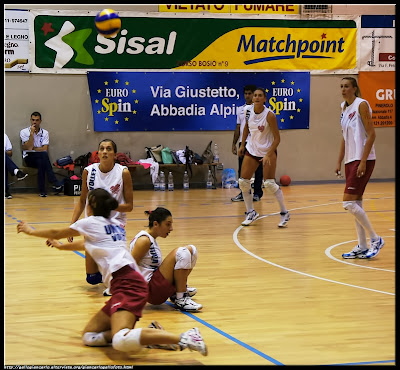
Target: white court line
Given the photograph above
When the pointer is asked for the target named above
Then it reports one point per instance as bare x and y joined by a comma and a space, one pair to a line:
328, 253
236, 240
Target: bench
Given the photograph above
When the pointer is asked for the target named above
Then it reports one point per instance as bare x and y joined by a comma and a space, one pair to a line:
173, 167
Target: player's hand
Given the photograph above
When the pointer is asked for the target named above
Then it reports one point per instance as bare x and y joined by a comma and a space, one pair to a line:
23, 227
234, 149
53, 243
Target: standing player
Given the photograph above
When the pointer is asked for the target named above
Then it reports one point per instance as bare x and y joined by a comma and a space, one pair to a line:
105, 240
114, 178
261, 147
237, 135
168, 277
358, 151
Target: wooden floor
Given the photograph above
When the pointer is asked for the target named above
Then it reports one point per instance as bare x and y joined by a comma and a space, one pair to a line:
270, 296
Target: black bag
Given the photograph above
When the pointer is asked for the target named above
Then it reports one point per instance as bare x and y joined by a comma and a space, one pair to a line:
208, 156
189, 160
83, 160
175, 158
63, 161
197, 159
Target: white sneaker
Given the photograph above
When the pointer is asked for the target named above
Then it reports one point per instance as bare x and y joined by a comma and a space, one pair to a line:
376, 246
187, 304
285, 217
356, 252
191, 291
250, 217
107, 292
193, 340
168, 347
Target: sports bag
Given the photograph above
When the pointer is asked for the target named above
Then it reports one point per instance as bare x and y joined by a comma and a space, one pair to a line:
155, 153
208, 156
63, 161
166, 156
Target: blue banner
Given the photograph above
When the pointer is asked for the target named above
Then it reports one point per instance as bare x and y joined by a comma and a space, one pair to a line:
192, 101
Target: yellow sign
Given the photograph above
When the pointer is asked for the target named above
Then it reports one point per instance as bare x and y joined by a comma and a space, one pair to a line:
194, 8
235, 8
280, 49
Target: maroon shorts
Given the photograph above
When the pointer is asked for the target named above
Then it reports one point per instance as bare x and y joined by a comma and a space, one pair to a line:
160, 289
129, 292
356, 185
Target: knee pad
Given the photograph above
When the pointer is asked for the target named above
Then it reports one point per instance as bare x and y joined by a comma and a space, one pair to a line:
127, 340
194, 254
271, 186
350, 206
94, 279
93, 339
183, 259
244, 185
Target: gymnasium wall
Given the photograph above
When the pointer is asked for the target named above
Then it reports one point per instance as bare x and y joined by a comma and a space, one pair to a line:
64, 102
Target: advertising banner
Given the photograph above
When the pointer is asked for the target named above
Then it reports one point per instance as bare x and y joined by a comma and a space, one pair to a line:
16, 40
379, 89
378, 48
70, 44
231, 8
192, 101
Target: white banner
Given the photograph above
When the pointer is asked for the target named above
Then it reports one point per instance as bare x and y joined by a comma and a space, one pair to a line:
377, 43
16, 40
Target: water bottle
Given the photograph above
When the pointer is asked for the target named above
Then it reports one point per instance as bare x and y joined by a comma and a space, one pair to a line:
209, 180
185, 181
162, 181
157, 184
170, 181
216, 153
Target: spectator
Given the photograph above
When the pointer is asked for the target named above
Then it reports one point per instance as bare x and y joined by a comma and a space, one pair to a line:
10, 166
35, 145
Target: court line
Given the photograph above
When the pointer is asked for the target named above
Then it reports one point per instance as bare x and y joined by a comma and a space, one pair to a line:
236, 241
237, 341
328, 253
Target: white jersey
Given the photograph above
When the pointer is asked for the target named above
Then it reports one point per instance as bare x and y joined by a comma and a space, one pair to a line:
354, 133
152, 259
39, 139
105, 241
7, 143
241, 119
261, 137
111, 181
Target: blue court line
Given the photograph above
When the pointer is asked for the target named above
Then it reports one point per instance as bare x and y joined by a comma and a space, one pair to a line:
237, 341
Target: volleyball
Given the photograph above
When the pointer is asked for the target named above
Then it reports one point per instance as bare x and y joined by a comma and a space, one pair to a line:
285, 180
107, 22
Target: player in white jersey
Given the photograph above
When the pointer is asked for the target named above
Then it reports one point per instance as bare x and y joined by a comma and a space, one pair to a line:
357, 150
114, 178
237, 136
261, 147
105, 240
168, 277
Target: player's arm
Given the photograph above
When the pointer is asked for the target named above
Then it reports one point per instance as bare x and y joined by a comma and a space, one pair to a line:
74, 246
236, 136
128, 192
80, 205
23, 227
140, 249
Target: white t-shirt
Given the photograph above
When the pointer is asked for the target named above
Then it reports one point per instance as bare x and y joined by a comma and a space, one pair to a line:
241, 119
39, 139
111, 181
354, 133
152, 259
105, 241
7, 143
261, 135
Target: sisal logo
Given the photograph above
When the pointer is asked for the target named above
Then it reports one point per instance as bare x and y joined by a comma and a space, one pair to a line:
72, 44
